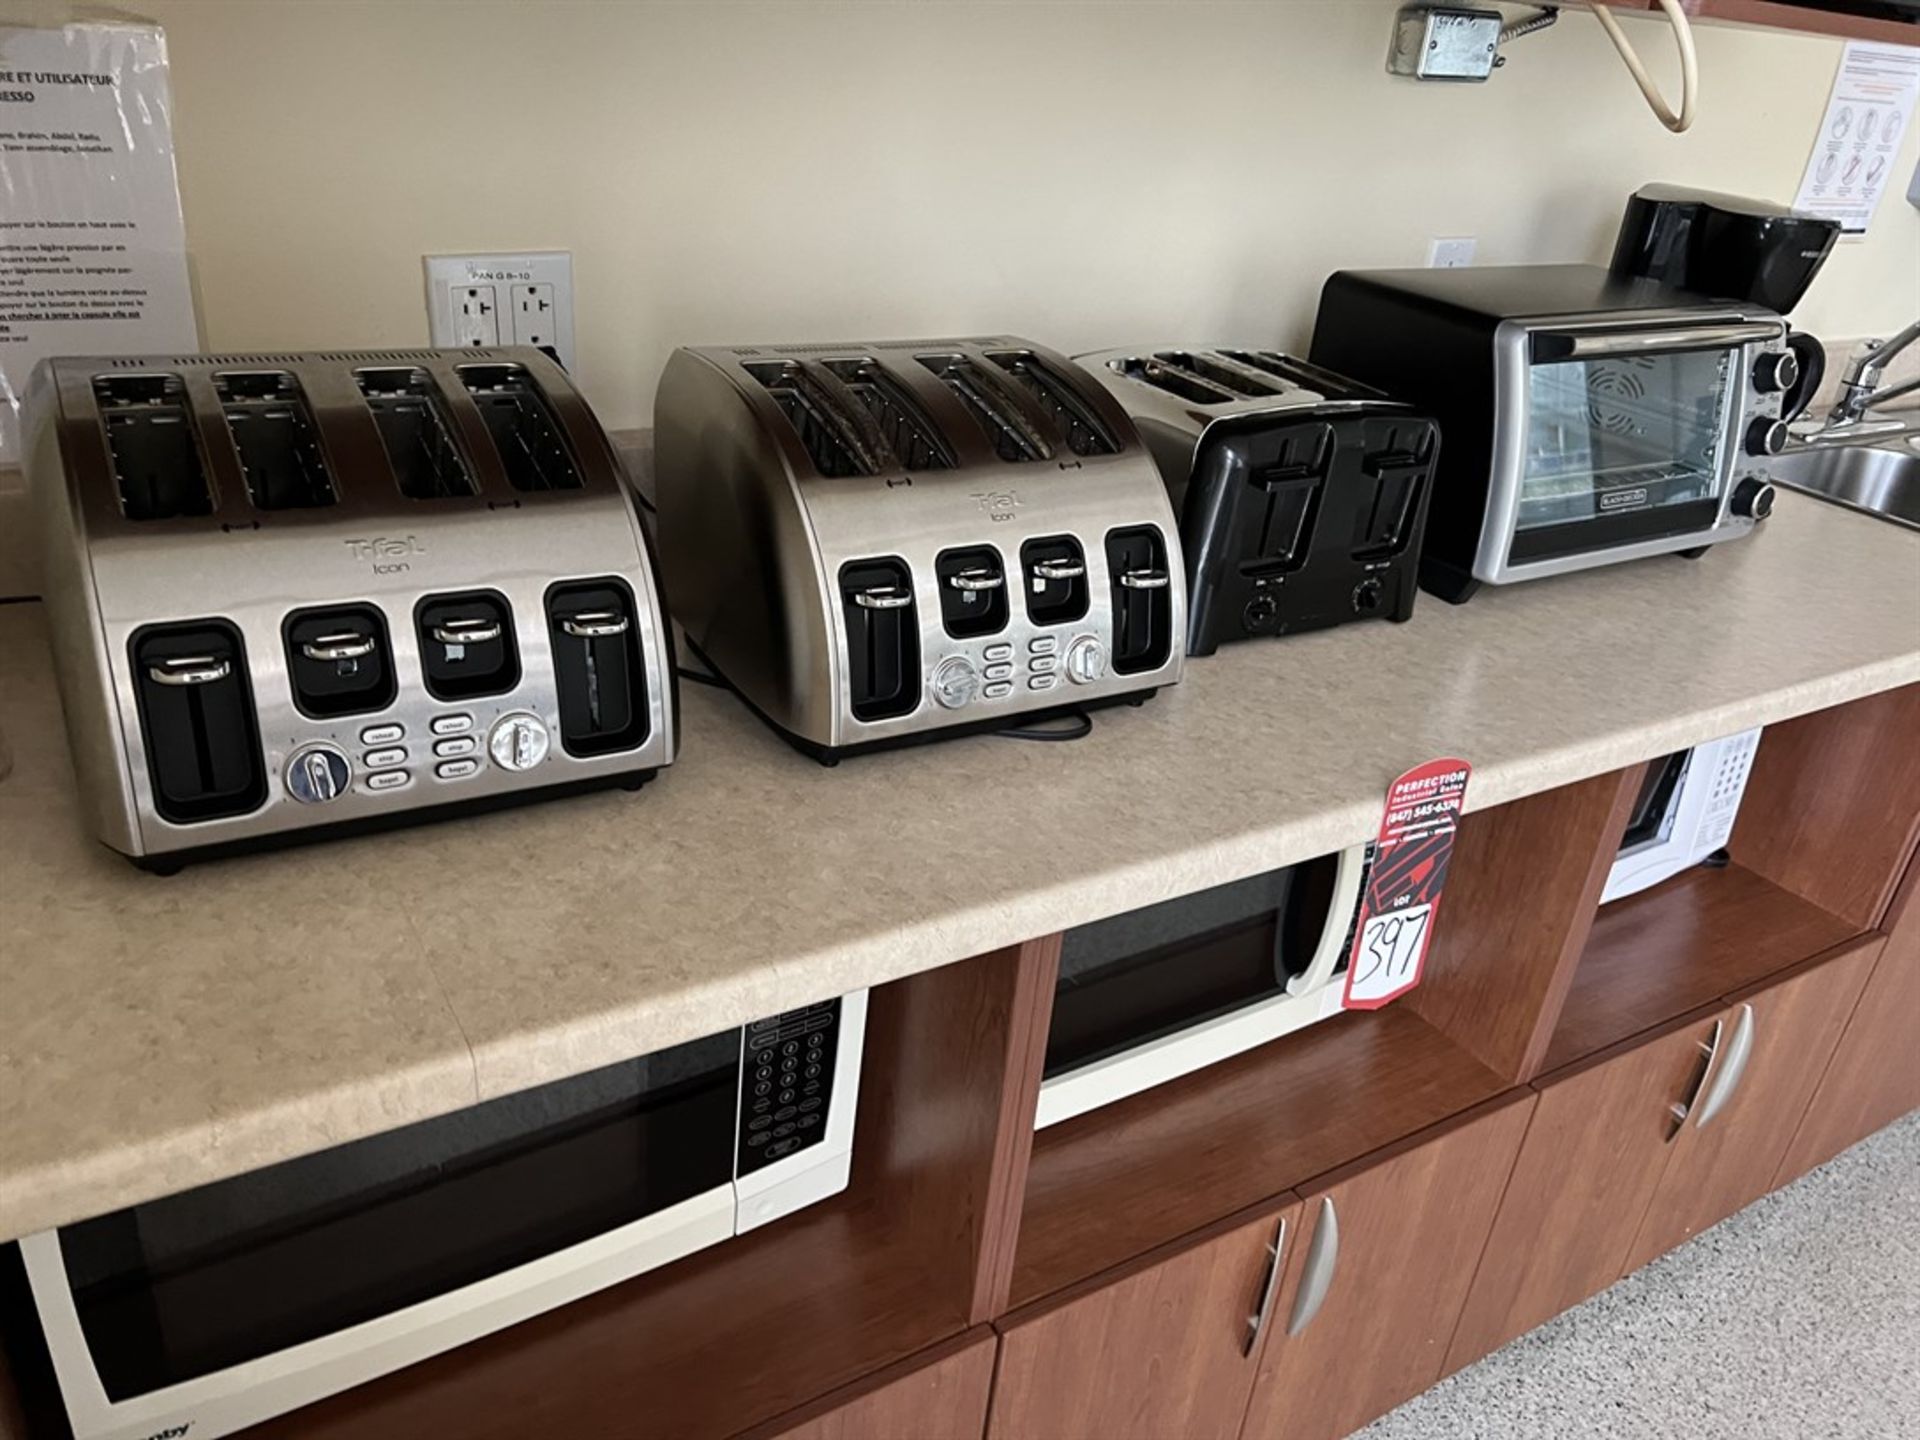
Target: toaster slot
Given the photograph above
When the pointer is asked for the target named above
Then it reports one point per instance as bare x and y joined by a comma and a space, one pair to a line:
1085, 432
525, 431
973, 591
197, 721
1211, 368
1142, 597
1383, 527
908, 432
1013, 436
1297, 374
1055, 568
1286, 499
883, 638
597, 669
833, 439
413, 426
467, 645
150, 443
339, 661
275, 437
1174, 380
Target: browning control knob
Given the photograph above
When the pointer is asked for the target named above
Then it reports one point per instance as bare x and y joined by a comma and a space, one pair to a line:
955, 682
1766, 436
317, 774
1773, 372
1753, 499
518, 741
1086, 660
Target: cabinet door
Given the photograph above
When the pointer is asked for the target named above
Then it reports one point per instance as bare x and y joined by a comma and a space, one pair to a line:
1164, 1348
1776, 1040
939, 1394
1874, 1076
1597, 1145
1376, 1281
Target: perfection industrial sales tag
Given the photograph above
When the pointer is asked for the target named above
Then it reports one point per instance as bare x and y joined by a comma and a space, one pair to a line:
1401, 898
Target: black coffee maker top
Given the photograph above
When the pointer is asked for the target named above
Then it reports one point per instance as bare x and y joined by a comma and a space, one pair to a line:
1723, 245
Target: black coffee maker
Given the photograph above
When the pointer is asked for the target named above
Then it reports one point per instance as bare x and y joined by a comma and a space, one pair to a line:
1732, 249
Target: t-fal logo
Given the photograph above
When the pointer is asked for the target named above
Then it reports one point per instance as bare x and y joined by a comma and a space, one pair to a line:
1000, 505
172, 1432
387, 554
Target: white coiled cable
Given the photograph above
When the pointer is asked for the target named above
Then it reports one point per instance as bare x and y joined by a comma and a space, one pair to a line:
1689, 63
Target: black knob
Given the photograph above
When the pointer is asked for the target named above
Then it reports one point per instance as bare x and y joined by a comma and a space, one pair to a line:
1753, 499
1773, 372
1766, 436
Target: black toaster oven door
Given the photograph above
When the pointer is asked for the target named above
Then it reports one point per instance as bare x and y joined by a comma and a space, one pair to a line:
200, 1281
1617, 448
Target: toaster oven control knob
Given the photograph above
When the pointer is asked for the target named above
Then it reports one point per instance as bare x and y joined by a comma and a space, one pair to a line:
1753, 499
317, 773
1766, 436
1086, 660
1773, 372
955, 682
518, 741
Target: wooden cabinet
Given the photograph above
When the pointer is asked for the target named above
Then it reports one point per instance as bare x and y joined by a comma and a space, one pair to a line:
939, 1394
1593, 1155
1376, 1280
1166, 1347
1874, 1076
1774, 1042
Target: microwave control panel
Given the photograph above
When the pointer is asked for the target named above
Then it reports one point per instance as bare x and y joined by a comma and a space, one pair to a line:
1729, 782
786, 1082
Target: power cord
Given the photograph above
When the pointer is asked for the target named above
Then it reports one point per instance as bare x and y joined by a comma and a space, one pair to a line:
1681, 119
1079, 725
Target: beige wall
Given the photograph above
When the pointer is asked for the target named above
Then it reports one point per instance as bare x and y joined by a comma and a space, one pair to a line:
1090, 173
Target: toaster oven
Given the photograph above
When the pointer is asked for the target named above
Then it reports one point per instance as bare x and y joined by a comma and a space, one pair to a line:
1589, 417
875, 543
210, 1310
301, 594
1301, 495
1156, 993
1683, 814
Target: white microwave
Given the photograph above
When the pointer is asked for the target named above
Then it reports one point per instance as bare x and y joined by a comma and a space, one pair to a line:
1157, 993
204, 1312
1683, 814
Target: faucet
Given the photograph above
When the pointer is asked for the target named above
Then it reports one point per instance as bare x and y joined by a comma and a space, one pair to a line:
1857, 386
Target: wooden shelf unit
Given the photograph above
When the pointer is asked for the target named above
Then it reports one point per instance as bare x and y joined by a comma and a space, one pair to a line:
1774, 15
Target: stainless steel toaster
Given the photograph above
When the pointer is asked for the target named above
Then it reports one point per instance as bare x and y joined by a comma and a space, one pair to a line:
1301, 494
874, 543
312, 592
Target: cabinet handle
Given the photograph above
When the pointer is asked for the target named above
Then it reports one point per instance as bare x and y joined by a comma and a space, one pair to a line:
1323, 1255
1681, 1109
1276, 1262
1732, 1071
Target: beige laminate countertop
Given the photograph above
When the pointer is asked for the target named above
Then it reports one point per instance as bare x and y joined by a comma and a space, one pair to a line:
156, 1033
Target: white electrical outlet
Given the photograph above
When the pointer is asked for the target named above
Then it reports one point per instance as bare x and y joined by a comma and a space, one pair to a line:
1450, 252
464, 293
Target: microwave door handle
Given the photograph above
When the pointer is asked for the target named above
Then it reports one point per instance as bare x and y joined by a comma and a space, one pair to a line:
1552, 345
1351, 870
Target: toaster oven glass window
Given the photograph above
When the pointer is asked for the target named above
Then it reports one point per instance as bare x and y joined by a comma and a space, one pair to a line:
196, 1282
1623, 447
1153, 972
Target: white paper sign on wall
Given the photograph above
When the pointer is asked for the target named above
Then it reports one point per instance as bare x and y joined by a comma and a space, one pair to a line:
1874, 95
93, 256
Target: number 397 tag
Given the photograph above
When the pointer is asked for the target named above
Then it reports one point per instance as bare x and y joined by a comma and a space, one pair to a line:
1401, 897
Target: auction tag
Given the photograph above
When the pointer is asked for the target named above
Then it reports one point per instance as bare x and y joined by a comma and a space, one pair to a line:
1401, 898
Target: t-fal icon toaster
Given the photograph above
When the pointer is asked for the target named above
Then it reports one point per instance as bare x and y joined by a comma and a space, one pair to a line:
306, 592
1301, 495
874, 543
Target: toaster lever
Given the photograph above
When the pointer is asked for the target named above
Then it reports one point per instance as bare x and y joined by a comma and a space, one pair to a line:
190, 670
883, 597
595, 624
976, 579
341, 645
1059, 569
1144, 579
466, 632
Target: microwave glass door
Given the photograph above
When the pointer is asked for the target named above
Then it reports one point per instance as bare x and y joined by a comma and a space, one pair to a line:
1623, 447
1651, 819
196, 1282
1156, 971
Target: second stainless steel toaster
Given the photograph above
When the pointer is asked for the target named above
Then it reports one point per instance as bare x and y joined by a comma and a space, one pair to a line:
299, 593
1302, 495
877, 542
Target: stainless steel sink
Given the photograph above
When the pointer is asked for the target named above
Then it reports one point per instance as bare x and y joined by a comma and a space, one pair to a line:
1881, 480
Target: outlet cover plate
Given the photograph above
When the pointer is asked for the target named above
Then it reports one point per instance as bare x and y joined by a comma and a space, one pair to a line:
531, 297
1449, 252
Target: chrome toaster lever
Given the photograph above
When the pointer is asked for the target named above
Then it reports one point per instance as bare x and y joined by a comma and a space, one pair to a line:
595, 624
342, 645
190, 670
1059, 569
975, 580
1144, 579
885, 597
467, 632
